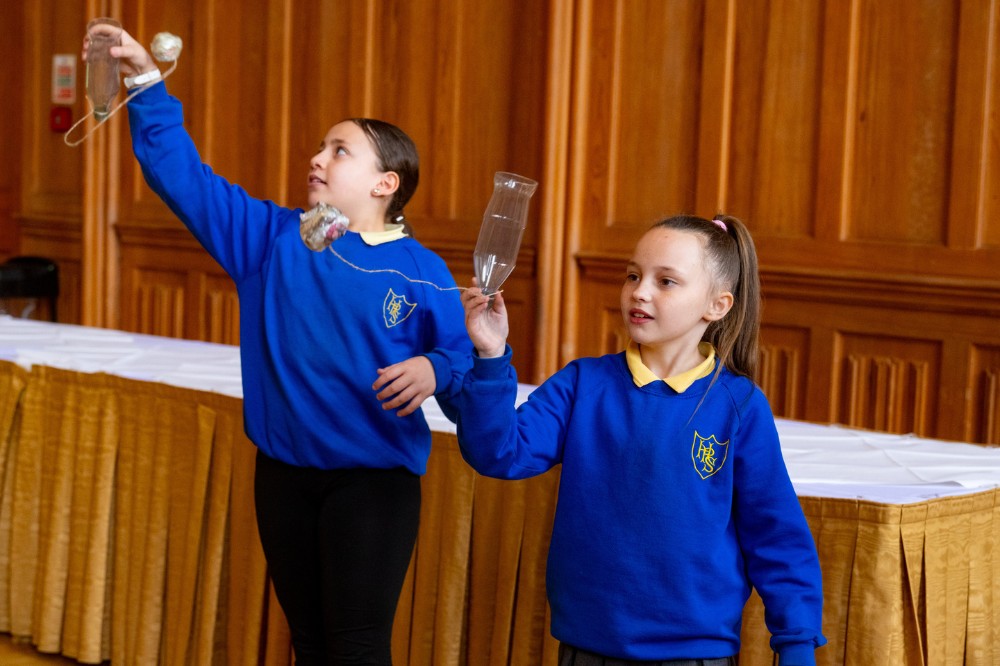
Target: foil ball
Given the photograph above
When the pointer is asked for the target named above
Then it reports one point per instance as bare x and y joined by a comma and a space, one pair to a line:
321, 226
166, 47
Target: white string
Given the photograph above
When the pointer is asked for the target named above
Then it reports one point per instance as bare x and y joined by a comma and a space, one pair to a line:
132, 93
393, 270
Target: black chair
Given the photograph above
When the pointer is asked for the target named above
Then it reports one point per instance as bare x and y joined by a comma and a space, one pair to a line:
31, 278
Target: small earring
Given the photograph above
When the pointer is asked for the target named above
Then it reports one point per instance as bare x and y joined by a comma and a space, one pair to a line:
375, 192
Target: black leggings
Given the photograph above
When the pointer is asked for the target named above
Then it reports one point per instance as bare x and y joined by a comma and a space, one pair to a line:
338, 544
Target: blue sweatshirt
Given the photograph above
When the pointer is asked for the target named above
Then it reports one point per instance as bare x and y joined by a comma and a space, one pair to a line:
668, 511
313, 330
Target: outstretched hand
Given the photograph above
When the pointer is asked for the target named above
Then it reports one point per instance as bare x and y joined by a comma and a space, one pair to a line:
487, 323
133, 56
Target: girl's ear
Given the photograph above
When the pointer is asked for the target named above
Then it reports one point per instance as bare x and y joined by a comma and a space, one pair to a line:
719, 307
388, 183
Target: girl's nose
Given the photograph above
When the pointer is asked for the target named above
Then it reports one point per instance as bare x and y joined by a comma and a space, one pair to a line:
641, 291
318, 160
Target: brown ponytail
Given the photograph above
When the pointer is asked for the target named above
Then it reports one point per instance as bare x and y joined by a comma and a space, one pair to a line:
732, 259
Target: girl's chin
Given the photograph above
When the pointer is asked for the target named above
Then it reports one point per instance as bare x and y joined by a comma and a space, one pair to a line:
315, 200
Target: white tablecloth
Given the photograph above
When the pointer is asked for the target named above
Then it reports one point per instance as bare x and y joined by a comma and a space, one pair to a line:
822, 460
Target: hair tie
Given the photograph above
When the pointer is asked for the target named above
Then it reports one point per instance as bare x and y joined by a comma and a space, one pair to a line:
720, 224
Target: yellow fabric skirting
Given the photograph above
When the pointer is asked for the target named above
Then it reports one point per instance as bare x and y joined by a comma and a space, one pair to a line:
127, 533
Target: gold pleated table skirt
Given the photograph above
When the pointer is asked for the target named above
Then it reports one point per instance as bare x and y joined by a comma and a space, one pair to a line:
127, 533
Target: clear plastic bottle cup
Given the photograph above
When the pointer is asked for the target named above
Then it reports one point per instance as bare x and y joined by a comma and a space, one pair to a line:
102, 69
503, 225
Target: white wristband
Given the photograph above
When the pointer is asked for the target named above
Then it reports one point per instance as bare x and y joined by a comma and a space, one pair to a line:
143, 79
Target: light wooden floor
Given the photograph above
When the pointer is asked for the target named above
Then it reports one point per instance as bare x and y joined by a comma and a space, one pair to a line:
16, 653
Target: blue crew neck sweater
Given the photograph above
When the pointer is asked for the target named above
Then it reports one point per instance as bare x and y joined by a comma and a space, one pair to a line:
671, 507
313, 330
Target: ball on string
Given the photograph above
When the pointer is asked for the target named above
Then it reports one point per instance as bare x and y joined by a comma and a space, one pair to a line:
166, 47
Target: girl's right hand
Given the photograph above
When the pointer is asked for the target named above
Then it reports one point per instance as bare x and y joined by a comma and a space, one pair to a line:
487, 325
134, 58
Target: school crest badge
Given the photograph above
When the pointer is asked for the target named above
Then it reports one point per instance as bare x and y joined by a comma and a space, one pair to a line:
395, 309
708, 454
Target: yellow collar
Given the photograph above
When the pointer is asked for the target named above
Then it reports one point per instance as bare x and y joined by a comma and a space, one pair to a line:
642, 375
392, 232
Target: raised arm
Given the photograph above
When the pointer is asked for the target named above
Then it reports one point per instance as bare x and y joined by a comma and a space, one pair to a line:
234, 227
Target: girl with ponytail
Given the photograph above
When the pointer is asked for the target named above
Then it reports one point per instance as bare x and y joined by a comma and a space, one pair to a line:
674, 501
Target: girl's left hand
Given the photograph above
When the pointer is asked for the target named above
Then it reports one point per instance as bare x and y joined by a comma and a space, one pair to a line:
405, 384
486, 321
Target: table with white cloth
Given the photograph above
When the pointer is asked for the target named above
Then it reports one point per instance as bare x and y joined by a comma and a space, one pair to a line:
127, 527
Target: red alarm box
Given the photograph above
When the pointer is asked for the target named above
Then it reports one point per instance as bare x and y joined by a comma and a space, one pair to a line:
60, 119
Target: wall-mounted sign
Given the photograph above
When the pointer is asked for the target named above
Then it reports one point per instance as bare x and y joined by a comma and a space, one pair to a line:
64, 79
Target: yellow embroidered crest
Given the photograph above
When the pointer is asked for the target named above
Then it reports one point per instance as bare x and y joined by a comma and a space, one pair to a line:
395, 309
708, 454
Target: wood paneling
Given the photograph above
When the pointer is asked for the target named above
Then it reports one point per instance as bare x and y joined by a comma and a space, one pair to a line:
634, 147
219, 310
864, 167
883, 392
881, 359
49, 174
777, 92
902, 131
11, 79
849, 156
983, 411
172, 287
784, 359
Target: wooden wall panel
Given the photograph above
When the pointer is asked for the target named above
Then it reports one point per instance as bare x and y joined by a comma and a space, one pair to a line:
983, 411
777, 93
642, 93
49, 174
159, 297
218, 308
143, 20
978, 97
902, 131
11, 79
172, 287
600, 308
784, 363
635, 147
887, 384
887, 362
902, 169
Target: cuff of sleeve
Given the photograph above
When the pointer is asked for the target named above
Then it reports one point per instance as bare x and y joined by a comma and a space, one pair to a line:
797, 655
442, 369
142, 79
154, 94
492, 368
